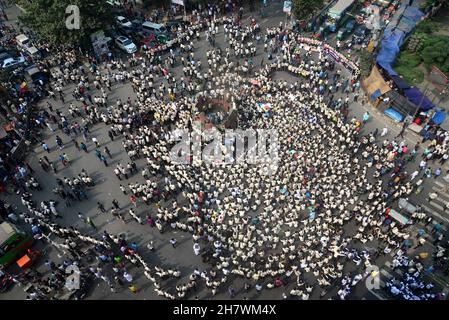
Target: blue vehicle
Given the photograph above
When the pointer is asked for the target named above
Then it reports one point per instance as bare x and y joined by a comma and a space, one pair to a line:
346, 30
337, 12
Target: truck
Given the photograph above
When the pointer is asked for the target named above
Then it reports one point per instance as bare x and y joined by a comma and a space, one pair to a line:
13, 244
337, 12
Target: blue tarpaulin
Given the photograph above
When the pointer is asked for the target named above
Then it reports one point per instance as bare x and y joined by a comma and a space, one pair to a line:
439, 117
400, 83
376, 94
417, 97
391, 43
393, 38
393, 114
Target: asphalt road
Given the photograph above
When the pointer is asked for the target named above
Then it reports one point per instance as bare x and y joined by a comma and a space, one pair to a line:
107, 188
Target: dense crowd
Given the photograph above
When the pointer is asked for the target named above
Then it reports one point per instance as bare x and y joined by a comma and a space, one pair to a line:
272, 223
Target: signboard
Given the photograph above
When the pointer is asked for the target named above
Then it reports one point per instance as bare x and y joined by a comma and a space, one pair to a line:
398, 217
287, 6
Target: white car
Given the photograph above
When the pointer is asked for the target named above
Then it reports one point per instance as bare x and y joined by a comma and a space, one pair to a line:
11, 62
125, 44
123, 22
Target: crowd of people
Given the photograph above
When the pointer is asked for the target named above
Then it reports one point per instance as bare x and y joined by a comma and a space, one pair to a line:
273, 223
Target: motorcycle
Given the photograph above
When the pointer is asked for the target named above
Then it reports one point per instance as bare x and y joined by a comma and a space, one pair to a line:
6, 282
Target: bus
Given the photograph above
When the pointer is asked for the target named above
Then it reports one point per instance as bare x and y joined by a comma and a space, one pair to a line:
337, 12
13, 244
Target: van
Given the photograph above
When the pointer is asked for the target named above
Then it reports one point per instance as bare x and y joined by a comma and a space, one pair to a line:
153, 28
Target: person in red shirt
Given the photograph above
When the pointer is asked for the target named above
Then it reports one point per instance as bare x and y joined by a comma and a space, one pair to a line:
133, 200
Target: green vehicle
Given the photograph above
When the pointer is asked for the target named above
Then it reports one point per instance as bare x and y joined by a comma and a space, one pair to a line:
13, 244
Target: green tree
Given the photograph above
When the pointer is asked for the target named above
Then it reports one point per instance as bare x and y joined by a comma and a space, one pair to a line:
365, 62
303, 9
48, 19
436, 52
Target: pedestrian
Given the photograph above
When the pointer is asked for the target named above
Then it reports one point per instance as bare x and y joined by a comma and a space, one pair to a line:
101, 207
365, 118
128, 276
106, 150
133, 288
95, 140
103, 158
196, 248
231, 292
83, 147
91, 223
115, 204
133, 199
173, 242
77, 146
150, 245
432, 196
46, 147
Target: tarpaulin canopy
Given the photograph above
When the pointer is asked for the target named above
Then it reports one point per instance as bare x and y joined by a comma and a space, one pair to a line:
439, 117
376, 94
400, 83
416, 96
391, 44
413, 13
375, 82
395, 35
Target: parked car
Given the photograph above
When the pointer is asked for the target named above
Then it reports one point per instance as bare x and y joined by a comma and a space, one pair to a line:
12, 63
123, 22
24, 42
346, 30
125, 44
5, 55
153, 28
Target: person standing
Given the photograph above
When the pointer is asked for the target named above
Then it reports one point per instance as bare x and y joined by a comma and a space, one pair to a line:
101, 207
116, 204
46, 147
83, 147
133, 199
103, 158
91, 223
106, 150
111, 135
196, 248
95, 140
173, 242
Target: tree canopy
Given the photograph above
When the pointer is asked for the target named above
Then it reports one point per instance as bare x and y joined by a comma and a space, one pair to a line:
303, 9
48, 19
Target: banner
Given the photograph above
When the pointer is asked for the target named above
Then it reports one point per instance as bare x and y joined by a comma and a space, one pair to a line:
287, 6
180, 2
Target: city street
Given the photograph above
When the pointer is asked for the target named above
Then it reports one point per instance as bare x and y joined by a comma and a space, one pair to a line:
182, 258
